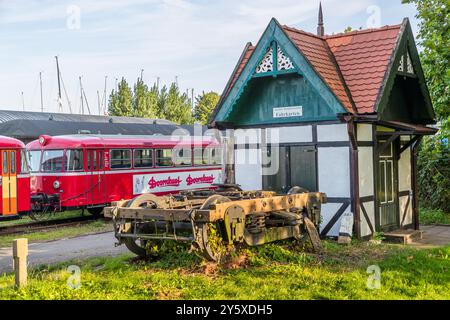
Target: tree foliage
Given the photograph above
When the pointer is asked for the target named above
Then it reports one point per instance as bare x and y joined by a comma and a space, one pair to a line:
434, 157
204, 105
121, 101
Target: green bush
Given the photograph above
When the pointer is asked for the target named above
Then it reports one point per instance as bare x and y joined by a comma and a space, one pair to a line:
434, 173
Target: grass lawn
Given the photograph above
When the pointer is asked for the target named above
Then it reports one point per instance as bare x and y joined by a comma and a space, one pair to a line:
429, 216
59, 233
268, 272
55, 216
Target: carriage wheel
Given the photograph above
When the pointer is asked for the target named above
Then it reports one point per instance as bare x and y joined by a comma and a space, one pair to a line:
144, 248
43, 215
210, 240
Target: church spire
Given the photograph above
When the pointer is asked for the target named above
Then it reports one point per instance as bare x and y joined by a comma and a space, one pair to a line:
320, 27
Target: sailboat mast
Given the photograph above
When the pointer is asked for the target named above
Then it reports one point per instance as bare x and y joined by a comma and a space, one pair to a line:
42, 97
59, 85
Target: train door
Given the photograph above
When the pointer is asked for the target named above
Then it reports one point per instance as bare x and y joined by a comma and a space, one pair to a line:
95, 177
9, 182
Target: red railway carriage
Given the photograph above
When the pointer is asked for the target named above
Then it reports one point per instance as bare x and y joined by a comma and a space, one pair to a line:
91, 171
14, 180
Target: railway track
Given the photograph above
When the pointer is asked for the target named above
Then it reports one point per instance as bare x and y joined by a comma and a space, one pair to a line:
45, 225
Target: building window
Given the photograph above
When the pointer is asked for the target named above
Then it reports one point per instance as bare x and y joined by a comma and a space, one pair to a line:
143, 158
164, 158
120, 159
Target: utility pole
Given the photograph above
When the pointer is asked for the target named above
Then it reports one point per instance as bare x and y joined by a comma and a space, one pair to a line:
42, 97
192, 93
59, 85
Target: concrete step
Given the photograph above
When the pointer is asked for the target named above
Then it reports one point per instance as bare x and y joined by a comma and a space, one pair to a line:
403, 236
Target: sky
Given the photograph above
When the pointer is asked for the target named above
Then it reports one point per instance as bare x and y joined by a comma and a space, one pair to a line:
196, 42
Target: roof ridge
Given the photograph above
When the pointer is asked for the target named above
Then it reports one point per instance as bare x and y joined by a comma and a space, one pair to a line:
371, 30
303, 32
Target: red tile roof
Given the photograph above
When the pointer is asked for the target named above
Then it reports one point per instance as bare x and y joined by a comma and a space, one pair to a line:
352, 64
363, 58
319, 55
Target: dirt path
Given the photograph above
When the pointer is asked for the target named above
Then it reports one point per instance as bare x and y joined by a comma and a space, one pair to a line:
65, 249
433, 236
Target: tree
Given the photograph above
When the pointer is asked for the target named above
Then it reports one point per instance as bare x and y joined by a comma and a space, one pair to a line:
121, 101
204, 106
174, 106
434, 157
434, 36
144, 101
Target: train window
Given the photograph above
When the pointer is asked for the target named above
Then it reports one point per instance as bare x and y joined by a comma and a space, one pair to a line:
183, 157
13, 162
74, 160
34, 160
24, 165
101, 159
5, 162
120, 159
215, 156
52, 160
164, 158
143, 158
198, 157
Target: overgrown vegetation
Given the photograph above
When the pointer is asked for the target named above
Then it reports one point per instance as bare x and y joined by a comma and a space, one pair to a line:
430, 216
268, 272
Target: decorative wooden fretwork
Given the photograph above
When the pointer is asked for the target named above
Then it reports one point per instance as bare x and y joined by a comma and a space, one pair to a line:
405, 66
409, 66
401, 67
284, 63
273, 65
266, 64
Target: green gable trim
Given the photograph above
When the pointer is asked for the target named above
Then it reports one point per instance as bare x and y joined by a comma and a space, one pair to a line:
276, 72
406, 43
274, 32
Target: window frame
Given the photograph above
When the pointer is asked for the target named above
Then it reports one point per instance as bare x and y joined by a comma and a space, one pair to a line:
171, 158
42, 158
111, 159
29, 162
174, 153
152, 158
66, 160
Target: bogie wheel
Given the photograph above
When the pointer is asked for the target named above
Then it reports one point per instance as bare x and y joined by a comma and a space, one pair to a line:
211, 242
43, 215
297, 190
144, 248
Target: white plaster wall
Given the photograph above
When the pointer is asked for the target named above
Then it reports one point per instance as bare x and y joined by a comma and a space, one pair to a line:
370, 209
365, 169
334, 171
332, 132
409, 214
248, 169
404, 171
289, 134
327, 212
247, 136
364, 132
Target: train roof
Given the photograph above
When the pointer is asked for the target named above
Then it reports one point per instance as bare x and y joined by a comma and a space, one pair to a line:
118, 141
7, 142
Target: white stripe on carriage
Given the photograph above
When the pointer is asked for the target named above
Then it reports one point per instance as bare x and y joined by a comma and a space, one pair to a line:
158, 170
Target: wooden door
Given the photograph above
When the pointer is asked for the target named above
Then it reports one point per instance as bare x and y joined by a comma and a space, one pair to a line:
387, 189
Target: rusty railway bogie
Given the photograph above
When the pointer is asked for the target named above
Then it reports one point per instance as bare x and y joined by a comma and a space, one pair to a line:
253, 218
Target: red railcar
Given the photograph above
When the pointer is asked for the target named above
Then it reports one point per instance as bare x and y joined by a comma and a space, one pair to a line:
14, 180
91, 171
